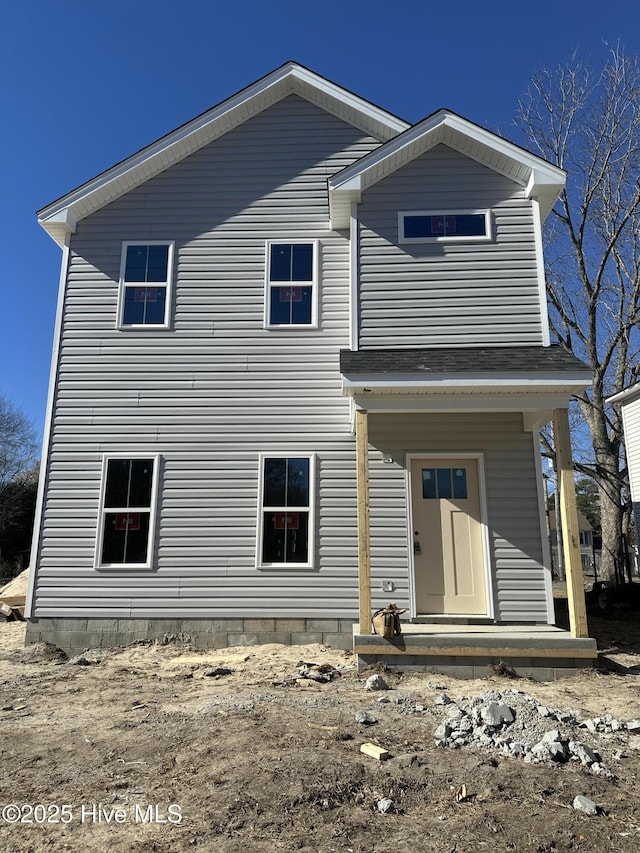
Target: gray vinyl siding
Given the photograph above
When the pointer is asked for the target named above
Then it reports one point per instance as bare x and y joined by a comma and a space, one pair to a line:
447, 293
212, 392
515, 542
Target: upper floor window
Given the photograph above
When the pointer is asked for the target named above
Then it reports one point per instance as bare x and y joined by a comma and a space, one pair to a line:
127, 509
291, 295
424, 226
145, 284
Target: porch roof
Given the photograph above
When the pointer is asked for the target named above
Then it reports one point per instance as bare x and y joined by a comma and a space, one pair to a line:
512, 360
527, 379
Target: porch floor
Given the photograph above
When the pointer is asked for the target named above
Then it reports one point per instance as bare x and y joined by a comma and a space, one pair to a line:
544, 652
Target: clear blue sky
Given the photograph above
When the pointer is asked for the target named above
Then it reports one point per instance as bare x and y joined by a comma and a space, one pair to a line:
84, 84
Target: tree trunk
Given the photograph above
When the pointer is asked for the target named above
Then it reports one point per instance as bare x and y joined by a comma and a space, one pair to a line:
612, 517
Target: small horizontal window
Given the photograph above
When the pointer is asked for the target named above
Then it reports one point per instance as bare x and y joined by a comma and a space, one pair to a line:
432, 226
145, 284
291, 284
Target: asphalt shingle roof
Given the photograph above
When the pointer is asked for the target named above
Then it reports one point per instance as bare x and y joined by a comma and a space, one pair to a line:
526, 359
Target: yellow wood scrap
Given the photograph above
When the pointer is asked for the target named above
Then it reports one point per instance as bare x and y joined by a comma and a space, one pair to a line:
374, 751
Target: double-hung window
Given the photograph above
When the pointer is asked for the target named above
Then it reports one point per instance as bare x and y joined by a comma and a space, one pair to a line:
285, 524
145, 284
127, 511
425, 226
291, 286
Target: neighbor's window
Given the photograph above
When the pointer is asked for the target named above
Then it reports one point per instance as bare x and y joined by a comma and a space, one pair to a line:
291, 284
127, 511
427, 226
145, 284
285, 524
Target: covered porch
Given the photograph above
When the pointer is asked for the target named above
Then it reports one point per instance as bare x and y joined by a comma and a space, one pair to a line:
456, 414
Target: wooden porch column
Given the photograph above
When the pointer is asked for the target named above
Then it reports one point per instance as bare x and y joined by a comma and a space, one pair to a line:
569, 521
364, 557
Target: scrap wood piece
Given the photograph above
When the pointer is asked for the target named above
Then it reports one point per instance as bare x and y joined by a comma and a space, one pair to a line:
374, 751
462, 796
322, 728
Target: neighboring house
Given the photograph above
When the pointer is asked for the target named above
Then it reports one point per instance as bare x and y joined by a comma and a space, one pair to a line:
589, 557
240, 297
629, 402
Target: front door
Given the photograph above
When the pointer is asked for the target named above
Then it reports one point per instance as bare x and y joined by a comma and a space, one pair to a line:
448, 558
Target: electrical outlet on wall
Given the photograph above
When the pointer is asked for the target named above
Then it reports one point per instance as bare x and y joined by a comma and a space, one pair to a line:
387, 586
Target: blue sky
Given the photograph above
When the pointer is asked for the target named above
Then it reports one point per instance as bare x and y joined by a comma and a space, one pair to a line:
85, 84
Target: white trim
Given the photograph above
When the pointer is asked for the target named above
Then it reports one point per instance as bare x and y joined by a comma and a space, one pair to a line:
472, 381
314, 283
310, 509
626, 395
168, 285
152, 510
478, 456
397, 403
546, 550
354, 308
454, 238
542, 282
48, 428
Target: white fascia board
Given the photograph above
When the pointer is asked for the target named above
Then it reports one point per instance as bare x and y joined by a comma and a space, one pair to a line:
538, 405
547, 174
205, 128
625, 396
350, 100
472, 383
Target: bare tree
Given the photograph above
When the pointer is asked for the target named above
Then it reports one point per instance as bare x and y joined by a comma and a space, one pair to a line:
588, 122
18, 485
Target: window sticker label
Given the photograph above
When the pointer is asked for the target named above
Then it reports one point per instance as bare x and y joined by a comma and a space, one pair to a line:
287, 521
128, 521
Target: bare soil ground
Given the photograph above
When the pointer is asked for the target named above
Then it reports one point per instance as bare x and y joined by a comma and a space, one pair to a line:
259, 761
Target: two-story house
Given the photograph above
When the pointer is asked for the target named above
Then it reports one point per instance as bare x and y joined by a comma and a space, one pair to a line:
301, 360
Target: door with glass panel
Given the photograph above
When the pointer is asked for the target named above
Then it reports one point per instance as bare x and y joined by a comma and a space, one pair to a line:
448, 553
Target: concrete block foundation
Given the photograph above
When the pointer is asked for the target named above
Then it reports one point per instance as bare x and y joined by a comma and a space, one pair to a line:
74, 635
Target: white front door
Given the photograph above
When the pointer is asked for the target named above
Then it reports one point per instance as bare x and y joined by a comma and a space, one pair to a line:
448, 558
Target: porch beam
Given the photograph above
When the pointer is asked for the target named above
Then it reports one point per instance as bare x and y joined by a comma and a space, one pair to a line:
569, 523
364, 554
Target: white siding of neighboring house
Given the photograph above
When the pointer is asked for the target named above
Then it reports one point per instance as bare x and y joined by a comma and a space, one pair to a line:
631, 422
447, 294
214, 391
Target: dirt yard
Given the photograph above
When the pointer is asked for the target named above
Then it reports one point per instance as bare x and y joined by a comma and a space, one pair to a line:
148, 749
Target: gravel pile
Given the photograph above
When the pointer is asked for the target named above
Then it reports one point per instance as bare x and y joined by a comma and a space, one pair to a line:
517, 725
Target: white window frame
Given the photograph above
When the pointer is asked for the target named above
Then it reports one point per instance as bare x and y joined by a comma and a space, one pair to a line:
454, 238
102, 512
168, 284
268, 284
310, 509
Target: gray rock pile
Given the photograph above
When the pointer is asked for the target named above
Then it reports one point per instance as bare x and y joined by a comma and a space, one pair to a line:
513, 723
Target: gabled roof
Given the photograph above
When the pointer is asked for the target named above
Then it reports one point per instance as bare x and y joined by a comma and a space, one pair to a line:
401, 144
542, 180
61, 216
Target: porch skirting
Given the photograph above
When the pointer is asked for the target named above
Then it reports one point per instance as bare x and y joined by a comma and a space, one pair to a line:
543, 652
